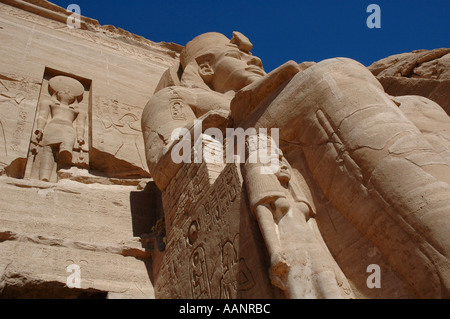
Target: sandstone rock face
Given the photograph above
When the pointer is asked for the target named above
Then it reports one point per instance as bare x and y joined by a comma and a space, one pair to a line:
134, 169
422, 72
75, 188
107, 61
47, 227
349, 180
213, 248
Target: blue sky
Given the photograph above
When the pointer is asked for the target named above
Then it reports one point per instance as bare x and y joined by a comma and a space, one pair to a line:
300, 30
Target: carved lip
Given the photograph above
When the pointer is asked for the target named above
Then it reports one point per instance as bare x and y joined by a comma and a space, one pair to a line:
255, 69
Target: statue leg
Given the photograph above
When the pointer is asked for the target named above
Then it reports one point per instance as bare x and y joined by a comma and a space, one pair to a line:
430, 118
47, 163
65, 155
309, 260
278, 263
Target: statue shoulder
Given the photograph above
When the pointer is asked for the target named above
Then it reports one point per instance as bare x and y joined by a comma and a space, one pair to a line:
169, 102
166, 111
47, 102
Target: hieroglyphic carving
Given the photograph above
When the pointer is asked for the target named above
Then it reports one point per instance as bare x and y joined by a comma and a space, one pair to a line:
216, 268
123, 119
245, 278
18, 100
232, 193
193, 232
177, 107
183, 196
3, 147
20, 127
15, 12
228, 283
200, 284
236, 274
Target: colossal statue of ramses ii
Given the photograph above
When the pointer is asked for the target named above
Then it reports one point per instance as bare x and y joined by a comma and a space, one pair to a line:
381, 161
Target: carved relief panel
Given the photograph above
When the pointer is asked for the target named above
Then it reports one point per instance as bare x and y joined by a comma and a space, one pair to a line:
117, 132
61, 136
18, 100
209, 255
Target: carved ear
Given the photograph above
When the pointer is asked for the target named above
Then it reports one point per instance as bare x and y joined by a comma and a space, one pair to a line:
205, 69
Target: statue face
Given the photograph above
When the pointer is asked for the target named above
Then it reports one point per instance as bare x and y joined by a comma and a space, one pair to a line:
284, 174
234, 69
65, 95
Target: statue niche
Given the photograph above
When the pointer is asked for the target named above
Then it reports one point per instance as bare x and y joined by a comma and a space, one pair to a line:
59, 135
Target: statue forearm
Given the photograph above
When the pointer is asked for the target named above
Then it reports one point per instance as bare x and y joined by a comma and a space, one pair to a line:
80, 129
44, 110
267, 226
250, 97
40, 123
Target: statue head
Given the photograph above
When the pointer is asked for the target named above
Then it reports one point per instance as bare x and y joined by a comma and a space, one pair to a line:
67, 90
224, 65
284, 172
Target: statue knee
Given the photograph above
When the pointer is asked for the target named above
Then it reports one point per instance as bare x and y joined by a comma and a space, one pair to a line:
341, 69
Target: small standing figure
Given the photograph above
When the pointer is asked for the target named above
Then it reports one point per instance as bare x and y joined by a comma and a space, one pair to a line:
59, 137
300, 263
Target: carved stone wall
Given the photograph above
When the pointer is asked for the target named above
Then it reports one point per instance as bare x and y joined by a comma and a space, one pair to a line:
18, 100
213, 248
124, 73
97, 212
198, 238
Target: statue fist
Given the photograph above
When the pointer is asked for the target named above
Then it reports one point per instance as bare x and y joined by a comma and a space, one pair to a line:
39, 135
80, 141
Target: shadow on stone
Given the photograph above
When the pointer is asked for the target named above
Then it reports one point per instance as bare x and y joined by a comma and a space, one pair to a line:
147, 219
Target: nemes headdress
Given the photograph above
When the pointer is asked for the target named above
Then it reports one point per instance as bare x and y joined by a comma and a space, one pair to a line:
212, 40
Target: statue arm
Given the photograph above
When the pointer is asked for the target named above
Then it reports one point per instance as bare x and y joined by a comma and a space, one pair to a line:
279, 266
44, 111
80, 127
166, 113
268, 227
251, 97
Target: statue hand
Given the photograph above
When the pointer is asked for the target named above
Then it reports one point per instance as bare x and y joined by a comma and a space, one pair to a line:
80, 141
39, 135
279, 269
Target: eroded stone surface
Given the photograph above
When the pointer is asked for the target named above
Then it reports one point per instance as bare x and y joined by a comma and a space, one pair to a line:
366, 175
364, 161
422, 72
36, 44
98, 208
57, 225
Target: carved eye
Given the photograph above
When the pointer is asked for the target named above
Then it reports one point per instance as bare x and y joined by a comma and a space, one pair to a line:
235, 55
